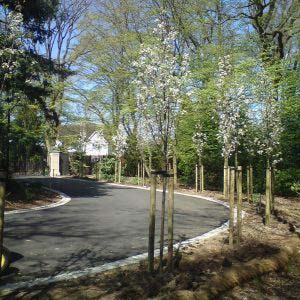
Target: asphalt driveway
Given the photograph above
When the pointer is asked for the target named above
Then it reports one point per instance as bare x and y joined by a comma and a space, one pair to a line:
102, 223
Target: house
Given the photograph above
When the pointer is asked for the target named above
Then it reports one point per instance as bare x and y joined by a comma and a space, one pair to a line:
96, 146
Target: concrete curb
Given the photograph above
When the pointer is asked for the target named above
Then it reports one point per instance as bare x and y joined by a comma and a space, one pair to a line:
11, 287
64, 200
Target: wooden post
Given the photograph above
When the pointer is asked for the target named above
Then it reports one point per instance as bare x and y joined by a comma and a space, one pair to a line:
175, 171
162, 224
170, 219
251, 183
202, 178
2, 207
226, 178
120, 170
196, 179
138, 173
268, 196
116, 170
272, 190
239, 203
231, 205
143, 173
248, 184
152, 223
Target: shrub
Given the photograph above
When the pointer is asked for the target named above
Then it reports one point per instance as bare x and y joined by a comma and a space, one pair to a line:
284, 181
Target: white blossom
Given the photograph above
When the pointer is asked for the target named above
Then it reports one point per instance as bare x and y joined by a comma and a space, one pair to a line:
267, 121
119, 141
231, 107
199, 139
160, 84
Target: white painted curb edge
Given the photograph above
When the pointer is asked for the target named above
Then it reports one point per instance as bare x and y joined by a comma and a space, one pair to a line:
64, 200
11, 287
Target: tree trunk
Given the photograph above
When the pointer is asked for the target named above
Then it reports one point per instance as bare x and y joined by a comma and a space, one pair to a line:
236, 162
170, 220
239, 203
7, 164
196, 179
202, 178
138, 173
162, 224
248, 184
2, 207
226, 178
143, 173
120, 170
251, 183
272, 190
231, 206
116, 170
151, 242
268, 196
175, 170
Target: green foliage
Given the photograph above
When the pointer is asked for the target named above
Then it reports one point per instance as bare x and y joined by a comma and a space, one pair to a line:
107, 168
296, 188
285, 180
78, 163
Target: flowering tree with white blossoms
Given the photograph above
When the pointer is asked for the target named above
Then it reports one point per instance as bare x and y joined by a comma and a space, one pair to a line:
230, 107
120, 144
199, 139
160, 82
267, 121
10, 50
119, 141
162, 76
269, 129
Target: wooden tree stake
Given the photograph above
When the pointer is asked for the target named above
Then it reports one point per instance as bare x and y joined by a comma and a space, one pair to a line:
116, 170
251, 183
120, 170
162, 224
138, 173
239, 204
268, 196
143, 174
272, 190
231, 205
152, 224
226, 179
202, 178
175, 171
170, 219
196, 179
2, 207
248, 184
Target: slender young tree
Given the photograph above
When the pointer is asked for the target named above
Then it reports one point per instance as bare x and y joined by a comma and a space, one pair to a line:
229, 107
120, 145
269, 129
162, 75
199, 139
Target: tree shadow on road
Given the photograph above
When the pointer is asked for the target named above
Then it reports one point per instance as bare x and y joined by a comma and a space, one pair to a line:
43, 291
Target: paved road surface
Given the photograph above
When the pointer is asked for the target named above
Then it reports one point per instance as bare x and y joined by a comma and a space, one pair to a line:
102, 223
